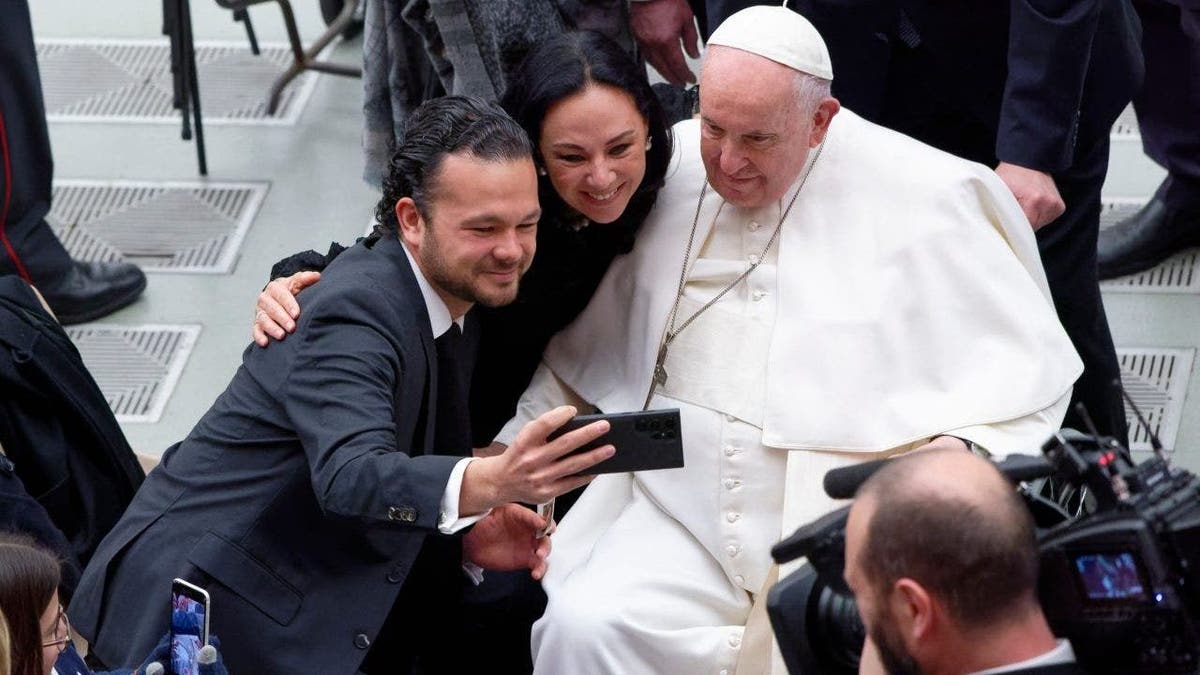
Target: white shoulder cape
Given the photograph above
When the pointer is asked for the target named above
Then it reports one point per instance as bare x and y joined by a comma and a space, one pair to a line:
911, 299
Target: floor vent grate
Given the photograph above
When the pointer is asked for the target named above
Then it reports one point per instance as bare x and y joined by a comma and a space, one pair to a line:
165, 227
137, 367
131, 81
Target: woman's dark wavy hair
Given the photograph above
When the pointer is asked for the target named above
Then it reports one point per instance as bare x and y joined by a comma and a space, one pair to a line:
29, 575
438, 127
564, 65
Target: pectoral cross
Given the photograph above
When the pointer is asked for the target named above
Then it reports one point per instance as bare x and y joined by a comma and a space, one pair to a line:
660, 368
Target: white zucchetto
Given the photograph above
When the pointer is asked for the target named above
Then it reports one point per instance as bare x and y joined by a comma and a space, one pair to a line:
779, 34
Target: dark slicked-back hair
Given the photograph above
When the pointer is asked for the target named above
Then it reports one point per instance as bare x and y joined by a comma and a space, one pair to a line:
565, 65
439, 127
977, 554
29, 575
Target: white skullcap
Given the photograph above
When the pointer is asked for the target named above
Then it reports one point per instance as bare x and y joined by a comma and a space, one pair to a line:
779, 34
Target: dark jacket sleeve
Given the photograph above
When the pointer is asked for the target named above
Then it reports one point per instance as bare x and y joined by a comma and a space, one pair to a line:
306, 261
340, 395
1049, 48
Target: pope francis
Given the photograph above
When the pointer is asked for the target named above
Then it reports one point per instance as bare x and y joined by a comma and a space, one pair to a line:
810, 290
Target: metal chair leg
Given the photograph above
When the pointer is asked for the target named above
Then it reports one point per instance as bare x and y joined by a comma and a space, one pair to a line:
244, 16
306, 59
192, 80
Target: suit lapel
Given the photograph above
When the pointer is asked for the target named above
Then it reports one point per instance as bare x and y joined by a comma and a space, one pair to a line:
393, 249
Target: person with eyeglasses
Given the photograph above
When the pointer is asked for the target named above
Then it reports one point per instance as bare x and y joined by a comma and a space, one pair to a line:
38, 629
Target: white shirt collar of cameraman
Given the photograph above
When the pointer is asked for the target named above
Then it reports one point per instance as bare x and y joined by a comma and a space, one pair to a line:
1063, 653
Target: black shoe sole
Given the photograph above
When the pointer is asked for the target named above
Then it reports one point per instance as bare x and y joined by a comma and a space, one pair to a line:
1129, 267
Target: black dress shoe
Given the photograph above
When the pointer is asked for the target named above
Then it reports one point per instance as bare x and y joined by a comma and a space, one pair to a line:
93, 290
1147, 238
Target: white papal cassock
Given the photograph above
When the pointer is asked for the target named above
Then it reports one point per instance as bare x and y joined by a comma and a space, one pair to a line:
903, 299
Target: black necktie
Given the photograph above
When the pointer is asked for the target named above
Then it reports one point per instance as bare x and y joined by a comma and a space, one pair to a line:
453, 426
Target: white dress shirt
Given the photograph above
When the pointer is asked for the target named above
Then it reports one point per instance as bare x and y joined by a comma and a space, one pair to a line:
449, 520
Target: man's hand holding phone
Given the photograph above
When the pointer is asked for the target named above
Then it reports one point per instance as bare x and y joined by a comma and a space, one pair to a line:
533, 470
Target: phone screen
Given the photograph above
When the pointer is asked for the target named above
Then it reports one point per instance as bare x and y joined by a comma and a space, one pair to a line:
189, 622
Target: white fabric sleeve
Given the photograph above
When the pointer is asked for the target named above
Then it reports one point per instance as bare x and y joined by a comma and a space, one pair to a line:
544, 393
1020, 436
449, 521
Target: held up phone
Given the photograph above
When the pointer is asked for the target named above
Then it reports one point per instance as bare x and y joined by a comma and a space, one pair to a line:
189, 626
645, 440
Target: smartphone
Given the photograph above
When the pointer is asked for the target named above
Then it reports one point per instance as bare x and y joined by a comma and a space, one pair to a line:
645, 440
189, 626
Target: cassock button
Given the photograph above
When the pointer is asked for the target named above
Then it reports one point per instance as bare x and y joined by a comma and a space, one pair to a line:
753, 226
753, 258
735, 641
362, 641
730, 483
739, 580
396, 575
758, 295
732, 516
730, 451
731, 550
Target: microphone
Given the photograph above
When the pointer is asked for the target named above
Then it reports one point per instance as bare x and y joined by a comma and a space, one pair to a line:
843, 482
207, 655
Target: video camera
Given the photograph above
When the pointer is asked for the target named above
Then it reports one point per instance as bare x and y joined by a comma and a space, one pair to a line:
1121, 580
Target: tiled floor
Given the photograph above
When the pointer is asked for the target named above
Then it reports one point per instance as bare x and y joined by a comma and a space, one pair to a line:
276, 186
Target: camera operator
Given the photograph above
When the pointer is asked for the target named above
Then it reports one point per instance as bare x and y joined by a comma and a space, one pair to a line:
942, 558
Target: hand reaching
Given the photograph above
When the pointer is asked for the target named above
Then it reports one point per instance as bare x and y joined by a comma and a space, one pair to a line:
506, 539
277, 309
661, 27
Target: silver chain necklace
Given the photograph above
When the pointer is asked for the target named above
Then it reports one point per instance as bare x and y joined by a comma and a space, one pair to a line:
660, 368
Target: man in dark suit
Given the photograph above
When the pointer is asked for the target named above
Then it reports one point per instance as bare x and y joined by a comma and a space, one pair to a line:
318, 499
944, 572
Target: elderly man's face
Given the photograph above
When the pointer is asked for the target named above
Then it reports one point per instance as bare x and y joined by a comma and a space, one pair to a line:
754, 139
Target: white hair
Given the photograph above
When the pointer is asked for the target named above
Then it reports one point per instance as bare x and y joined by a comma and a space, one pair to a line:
810, 90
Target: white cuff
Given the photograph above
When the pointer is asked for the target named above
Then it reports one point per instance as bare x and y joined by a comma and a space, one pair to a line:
449, 521
474, 572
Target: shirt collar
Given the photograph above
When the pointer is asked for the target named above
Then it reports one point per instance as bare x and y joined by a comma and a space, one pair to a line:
1062, 653
435, 307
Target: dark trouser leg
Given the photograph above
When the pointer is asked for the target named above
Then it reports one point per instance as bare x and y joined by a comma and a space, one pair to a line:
1068, 248
1168, 106
27, 245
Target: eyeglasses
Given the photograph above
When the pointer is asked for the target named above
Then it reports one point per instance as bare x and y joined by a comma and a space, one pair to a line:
62, 631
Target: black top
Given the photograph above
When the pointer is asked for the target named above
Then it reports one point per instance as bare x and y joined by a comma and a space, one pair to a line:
569, 265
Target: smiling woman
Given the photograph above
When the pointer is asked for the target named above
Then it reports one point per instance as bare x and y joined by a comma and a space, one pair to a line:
602, 150
593, 150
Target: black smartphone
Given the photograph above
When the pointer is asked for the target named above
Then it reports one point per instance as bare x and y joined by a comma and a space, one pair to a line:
189, 626
645, 440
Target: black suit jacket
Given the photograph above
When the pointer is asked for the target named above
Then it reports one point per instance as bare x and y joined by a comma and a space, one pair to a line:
302, 497
1042, 79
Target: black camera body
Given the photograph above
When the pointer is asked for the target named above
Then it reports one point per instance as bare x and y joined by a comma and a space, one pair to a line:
1122, 582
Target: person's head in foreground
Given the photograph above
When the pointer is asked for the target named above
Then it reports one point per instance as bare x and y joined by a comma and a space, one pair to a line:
37, 626
942, 558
